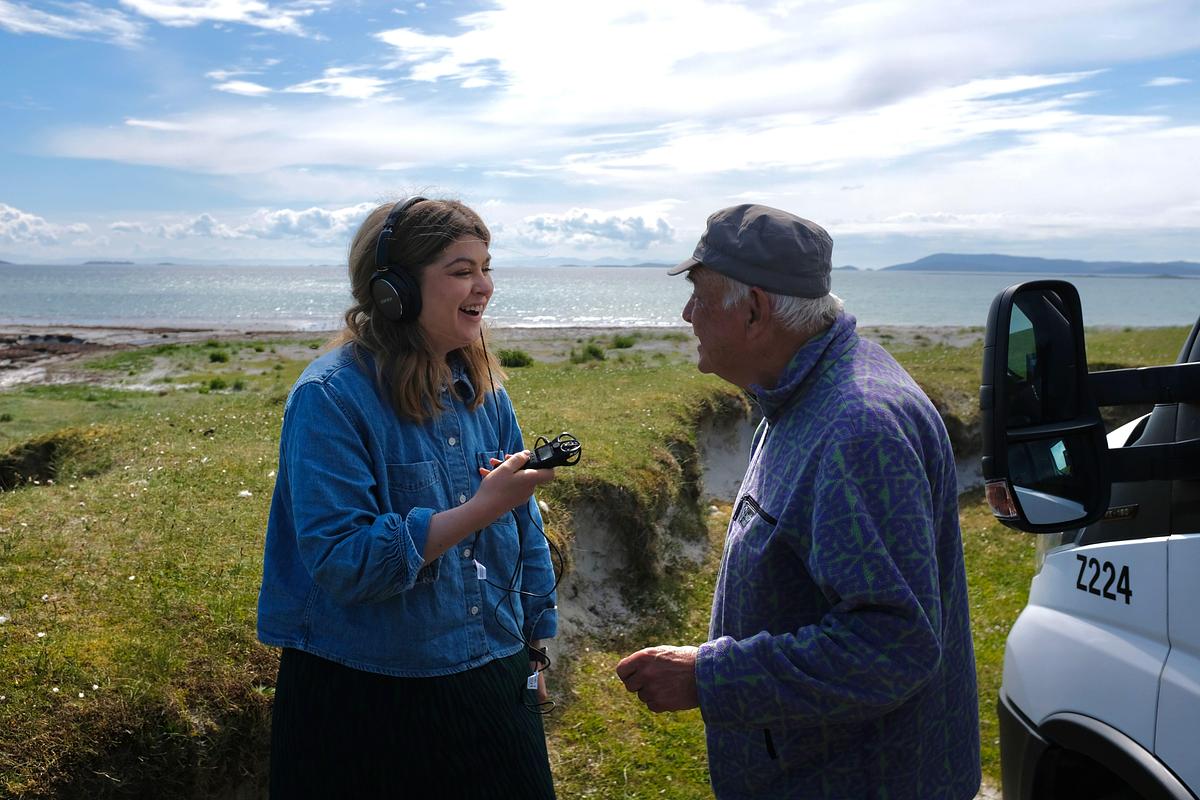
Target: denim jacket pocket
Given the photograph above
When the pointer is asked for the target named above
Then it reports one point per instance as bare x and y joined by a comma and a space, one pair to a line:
407, 479
414, 485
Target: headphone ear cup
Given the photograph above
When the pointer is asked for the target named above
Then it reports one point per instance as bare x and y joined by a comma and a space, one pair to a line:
397, 295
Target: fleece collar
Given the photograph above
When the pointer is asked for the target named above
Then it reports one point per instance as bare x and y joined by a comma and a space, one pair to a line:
812, 359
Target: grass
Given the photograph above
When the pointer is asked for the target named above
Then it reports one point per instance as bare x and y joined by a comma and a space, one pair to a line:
588, 352
654, 755
140, 563
146, 547
515, 357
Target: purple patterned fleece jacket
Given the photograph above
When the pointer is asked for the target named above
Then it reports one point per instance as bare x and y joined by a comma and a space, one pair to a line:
839, 662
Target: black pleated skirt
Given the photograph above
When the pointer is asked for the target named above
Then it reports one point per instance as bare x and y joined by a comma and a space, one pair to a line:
338, 732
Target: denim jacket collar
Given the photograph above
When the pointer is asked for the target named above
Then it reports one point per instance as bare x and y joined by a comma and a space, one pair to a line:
461, 380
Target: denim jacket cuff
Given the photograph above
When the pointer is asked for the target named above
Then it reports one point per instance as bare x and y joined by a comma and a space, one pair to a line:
544, 624
417, 523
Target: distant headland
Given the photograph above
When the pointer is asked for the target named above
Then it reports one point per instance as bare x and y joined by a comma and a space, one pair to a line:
108, 263
957, 262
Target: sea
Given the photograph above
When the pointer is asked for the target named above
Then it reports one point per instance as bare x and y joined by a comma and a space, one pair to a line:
313, 298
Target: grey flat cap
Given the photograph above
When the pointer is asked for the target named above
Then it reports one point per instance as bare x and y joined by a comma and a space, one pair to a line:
768, 248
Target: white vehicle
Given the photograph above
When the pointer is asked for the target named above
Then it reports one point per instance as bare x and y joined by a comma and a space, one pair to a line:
1101, 690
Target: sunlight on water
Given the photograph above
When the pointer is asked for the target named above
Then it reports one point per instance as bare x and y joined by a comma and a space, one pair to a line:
313, 298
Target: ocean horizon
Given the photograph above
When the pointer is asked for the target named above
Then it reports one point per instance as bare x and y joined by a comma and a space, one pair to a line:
313, 298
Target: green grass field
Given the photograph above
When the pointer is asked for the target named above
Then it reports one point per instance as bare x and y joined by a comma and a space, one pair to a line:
129, 564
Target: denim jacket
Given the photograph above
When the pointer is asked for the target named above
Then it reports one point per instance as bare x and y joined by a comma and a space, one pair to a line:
343, 573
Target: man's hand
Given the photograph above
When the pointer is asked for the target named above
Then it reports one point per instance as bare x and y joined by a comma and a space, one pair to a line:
664, 677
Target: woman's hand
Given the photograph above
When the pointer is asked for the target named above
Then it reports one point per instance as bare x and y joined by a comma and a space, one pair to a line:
508, 484
543, 696
505, 486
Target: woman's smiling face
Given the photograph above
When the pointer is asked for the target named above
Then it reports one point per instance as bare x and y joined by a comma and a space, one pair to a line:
455, 289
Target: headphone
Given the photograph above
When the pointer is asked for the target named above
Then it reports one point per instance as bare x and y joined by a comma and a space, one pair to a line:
394, 289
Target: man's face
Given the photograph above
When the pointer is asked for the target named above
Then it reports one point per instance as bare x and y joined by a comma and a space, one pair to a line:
721, 330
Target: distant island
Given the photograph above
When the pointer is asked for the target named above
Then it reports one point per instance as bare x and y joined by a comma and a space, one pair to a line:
957, 262
643, 265
107, 263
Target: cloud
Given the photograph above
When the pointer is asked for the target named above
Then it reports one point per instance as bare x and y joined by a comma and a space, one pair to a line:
1052, 185
203, 226
799, 143
282, 18
941, 116
318, 223
226, 74
1166, 81
808, 88
246, 88
338, 82
626, 61
78, 21
19, 227
588, 228
335, 82
311, 224
155, 124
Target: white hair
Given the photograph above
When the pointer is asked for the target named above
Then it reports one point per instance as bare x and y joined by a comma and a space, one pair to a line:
808, 315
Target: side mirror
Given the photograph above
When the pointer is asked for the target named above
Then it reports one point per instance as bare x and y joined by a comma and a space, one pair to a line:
1043, 439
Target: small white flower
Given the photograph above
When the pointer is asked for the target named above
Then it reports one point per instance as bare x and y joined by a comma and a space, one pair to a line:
133, 577
271, 474
2, 697
45, 598
55, 690
41, 634
245, 493
81, 695
3, 619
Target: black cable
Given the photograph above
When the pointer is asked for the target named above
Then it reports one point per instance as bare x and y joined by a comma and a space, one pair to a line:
542, 658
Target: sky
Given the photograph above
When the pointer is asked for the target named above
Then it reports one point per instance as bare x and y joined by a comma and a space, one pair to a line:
264, 131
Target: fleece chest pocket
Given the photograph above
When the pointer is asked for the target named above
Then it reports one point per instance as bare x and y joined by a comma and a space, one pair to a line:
748, 510
415, 484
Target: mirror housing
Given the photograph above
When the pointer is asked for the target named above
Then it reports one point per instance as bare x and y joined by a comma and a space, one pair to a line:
1044, 449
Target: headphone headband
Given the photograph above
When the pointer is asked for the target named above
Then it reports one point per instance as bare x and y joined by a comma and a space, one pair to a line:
382, 244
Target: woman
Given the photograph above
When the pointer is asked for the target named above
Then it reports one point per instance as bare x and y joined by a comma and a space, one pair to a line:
391, 576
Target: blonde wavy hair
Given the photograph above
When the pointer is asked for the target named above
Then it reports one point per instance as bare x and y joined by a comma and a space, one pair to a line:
407, 371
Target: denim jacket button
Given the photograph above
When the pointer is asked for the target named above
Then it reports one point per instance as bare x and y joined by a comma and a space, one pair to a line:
452, 441
462, 498
467, 553
474, 610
